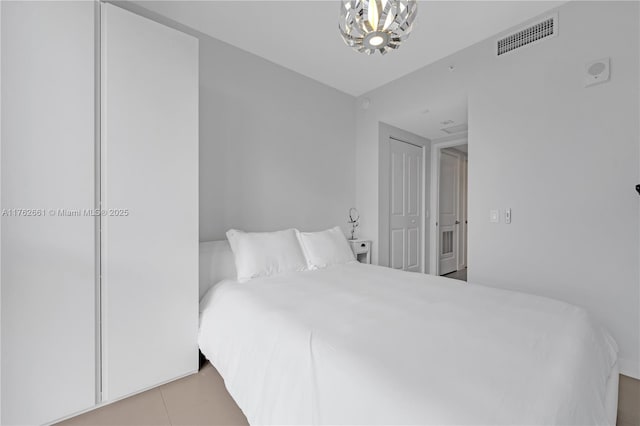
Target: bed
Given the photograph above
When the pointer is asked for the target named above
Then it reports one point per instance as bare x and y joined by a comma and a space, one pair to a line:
363, 344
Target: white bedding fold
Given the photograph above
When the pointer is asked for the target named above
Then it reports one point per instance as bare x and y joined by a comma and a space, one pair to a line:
361, 344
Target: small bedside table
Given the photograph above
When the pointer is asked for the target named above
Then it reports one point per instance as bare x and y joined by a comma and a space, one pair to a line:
362, 250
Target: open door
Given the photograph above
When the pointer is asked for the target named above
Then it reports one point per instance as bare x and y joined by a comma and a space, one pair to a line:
462, 227
448, 220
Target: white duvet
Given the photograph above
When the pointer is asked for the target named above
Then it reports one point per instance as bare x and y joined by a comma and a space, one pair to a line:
361, 344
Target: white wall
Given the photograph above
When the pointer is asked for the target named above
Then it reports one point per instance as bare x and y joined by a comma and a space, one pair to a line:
565, 158
277, 149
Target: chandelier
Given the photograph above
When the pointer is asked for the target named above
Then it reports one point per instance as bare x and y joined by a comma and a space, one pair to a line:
370, 25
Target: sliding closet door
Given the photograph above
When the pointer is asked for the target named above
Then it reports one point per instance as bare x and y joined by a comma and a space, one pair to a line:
150, 197
48, 244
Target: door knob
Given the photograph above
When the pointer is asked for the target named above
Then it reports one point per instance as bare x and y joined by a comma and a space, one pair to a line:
457, 222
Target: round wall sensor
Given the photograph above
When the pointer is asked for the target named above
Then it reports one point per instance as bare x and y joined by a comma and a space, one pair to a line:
596, 72
366, 103
597, 69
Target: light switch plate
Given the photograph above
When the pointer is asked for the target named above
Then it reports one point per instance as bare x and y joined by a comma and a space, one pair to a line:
494, 216
507, 216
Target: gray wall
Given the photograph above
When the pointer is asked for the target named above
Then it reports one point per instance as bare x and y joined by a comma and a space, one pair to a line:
563, 157
277, 149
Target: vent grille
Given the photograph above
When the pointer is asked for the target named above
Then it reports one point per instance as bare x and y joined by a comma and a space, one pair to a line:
447, 242
456, 129
546, 28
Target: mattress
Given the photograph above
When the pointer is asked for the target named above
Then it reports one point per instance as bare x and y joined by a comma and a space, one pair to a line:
362, 344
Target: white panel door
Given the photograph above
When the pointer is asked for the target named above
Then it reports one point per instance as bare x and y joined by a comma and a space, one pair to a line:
448, 211
405, 239
150, 195
462, 227
48, 253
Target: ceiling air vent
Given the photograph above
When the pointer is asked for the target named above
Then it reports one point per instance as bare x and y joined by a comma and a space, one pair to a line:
545, 28
456, 129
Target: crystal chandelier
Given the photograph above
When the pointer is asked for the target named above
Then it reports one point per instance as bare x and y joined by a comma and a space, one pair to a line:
370, 25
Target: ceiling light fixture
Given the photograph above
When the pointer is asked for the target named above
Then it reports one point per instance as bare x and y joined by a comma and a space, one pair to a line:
370, 25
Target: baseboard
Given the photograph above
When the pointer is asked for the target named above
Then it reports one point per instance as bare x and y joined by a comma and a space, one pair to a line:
629, 368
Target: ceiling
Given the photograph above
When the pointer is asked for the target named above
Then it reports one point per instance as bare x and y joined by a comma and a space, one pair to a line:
303, 35
440, 113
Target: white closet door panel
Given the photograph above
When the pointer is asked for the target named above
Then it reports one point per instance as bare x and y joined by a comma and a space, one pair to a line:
149, 168
48, 262
406, 201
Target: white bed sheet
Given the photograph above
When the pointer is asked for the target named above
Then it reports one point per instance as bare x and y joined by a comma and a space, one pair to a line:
361, 344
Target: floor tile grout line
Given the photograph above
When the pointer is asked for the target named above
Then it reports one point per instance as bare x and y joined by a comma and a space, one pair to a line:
166, 410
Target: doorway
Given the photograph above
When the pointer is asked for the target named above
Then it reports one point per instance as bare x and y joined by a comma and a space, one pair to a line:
440, 122
450, 208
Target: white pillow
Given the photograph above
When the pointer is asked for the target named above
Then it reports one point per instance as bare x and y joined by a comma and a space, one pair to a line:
262, 254
325, 248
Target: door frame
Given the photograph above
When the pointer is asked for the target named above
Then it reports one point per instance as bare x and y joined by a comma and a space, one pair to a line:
386, 132
434, 243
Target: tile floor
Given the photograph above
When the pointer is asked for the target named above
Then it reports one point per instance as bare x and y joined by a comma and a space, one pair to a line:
628, 402
202, 399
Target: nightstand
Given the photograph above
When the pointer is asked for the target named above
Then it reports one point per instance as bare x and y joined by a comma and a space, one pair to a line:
362, 250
